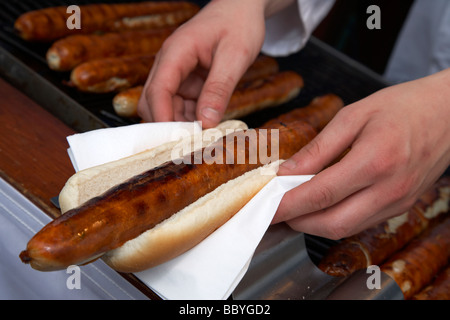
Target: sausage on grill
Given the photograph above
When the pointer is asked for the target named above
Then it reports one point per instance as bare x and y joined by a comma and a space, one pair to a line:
50, 24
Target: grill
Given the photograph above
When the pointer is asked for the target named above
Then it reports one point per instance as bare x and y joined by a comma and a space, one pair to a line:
324, 70
23, 64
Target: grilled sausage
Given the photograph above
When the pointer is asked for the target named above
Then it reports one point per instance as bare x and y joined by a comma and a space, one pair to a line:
420, 261
125, 103
49, 24
374, 245
263, 93
371, 246
439, 289
119, 73
318, 113
111, 74
248, 97
67, 53
127, 210
262, 67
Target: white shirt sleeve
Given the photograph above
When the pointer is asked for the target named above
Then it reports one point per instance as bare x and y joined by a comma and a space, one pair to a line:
288, 31
423, 46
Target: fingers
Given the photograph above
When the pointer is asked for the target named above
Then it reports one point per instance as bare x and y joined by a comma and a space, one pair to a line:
326, 189
170, 69
184, 110
217, 39
353, 194
388, 167
178, 91
226, 70
143, 107
357, 212
331, 186
344, 219
327, 146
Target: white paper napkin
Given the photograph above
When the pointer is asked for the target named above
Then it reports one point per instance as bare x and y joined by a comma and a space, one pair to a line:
213, 268
104, 145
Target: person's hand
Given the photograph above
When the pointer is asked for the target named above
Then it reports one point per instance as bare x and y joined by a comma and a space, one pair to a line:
400, 145
198, 67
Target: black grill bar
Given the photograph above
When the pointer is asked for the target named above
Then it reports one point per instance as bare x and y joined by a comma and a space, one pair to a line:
324, 69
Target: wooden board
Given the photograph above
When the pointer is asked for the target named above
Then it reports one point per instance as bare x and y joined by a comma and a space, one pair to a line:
33, 148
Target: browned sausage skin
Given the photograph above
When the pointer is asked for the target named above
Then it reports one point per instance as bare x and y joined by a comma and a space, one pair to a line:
112, 74
69, 52
416, 265
125, 103
317, 113
439, 289
263, 93
248, 97
49, 24
374, 245
119, 73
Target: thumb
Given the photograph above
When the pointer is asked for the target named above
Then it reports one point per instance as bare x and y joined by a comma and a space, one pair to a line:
309, 160
323, 150
213, 101
225, 73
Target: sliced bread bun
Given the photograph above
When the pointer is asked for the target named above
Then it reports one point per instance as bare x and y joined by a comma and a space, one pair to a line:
190, 226
92, 182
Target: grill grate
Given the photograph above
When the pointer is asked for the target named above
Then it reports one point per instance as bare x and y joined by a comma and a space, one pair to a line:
324, 69
98, 107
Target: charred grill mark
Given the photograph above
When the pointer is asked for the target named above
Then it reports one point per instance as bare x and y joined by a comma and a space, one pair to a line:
142, 208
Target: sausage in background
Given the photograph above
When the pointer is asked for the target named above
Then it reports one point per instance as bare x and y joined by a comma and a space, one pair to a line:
258, 94
49, 24
67, 53
421, 260
439, 289
267, 92
317, 113
111, 74
119, 73
374, 245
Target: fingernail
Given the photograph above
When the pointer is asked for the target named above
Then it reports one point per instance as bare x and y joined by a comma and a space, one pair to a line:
289, 164
210, 114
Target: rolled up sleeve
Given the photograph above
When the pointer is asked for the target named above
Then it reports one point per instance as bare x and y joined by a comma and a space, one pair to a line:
289, 30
